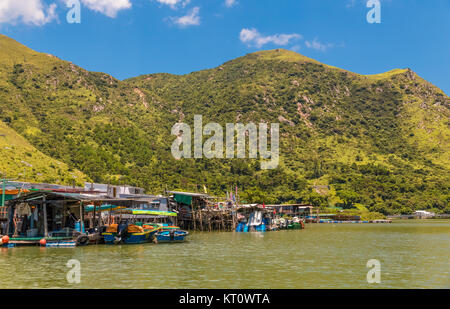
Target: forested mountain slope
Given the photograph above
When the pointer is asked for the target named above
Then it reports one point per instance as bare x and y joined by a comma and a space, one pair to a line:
380, 141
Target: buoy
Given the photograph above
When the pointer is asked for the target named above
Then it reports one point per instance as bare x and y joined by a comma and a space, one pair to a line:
5, 239
43, 242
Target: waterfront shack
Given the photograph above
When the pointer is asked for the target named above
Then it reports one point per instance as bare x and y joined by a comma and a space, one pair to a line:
188, 205
198, 211
292, 210
422, 214
54, 216
114, 191
7, 195
66, 216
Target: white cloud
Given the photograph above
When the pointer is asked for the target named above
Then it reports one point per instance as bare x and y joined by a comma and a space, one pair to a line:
252, 37
32, 12
169, 2
230, 3
296, 48
174, 3
191, 19
315, 44
109, 8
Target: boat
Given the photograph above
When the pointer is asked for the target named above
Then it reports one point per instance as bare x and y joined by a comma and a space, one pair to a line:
125, 233
252, 219
295, 224
171, 236
129, 231
39, 241
61, 244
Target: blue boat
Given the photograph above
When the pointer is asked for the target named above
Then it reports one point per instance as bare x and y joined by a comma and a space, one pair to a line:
171, 236
133, 238
252, 219
124, 233
245, 227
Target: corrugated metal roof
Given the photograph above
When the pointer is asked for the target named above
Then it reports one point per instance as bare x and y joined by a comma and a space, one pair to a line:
290, 205
71, 196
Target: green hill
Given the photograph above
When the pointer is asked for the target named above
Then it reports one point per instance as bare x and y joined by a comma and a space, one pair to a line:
381, 141
22, 161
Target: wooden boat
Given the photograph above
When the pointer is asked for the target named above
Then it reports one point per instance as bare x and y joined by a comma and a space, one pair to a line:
80, 240
129, 233
171, 236
62, 244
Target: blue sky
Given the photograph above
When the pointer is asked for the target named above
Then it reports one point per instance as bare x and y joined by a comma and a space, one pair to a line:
127, 38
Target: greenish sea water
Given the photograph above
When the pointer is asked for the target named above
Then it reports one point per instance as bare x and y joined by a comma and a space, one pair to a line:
412, 253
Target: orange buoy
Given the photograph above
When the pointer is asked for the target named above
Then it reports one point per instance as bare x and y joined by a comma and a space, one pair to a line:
43, 242
5, 239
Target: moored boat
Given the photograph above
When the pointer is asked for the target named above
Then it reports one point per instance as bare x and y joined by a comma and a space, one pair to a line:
129, 233
171, 236
295, 224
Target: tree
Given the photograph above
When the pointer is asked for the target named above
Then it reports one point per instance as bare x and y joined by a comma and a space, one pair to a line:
348, 197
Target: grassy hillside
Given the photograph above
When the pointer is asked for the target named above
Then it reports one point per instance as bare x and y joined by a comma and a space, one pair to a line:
22, 161
380, 141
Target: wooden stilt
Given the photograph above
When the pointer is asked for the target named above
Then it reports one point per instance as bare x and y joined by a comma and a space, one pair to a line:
194, 219
44, 205
201, 219
81, 216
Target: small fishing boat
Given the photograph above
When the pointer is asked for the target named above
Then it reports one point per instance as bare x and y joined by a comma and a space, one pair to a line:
171, 236
129, 233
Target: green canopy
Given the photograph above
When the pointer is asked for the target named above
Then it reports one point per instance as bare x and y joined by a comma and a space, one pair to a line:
183, 199
154, 212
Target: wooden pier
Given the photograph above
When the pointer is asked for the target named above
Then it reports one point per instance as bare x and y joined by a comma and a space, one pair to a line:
200, 212
209, 220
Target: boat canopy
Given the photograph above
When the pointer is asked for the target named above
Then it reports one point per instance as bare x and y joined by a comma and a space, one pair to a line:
90, 208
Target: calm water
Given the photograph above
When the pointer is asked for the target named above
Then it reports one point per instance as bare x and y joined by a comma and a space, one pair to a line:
413, 254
